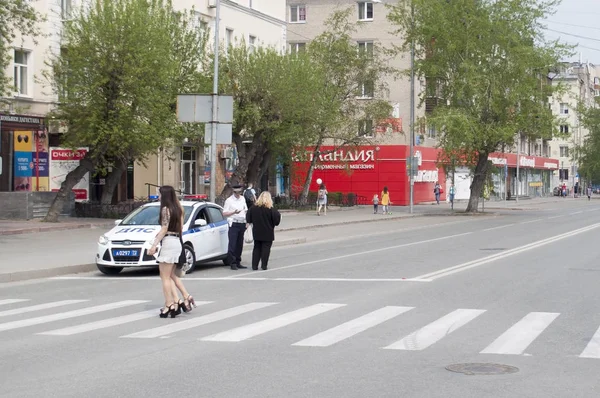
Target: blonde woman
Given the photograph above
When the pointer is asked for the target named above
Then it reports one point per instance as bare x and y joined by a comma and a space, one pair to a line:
264, 218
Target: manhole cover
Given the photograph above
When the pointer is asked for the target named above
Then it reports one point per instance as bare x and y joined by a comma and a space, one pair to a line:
481, 368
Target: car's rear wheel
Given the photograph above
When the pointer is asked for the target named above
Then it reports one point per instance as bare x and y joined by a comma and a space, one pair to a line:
109, 270
190, 259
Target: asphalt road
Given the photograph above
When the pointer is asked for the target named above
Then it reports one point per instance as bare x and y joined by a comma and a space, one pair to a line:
368, 310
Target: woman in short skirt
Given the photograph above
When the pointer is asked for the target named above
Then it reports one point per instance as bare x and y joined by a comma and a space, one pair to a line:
171, 222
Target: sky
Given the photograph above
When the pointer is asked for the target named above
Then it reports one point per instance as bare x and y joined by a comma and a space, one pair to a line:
575, 22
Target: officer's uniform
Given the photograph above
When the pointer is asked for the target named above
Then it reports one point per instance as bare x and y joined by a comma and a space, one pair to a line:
237, 227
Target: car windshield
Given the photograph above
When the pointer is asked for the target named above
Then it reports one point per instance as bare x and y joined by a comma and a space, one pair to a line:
148, 215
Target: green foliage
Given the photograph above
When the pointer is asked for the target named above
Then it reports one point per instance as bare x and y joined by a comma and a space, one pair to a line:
118, 76
588, 153
17, 19
488, 62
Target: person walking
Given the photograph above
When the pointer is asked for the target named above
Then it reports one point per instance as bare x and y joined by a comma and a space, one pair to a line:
385, 200
437, 190
452, 192
264, 218
589, 192
322, 200
375, 203
169, 235
250, 196
235, 209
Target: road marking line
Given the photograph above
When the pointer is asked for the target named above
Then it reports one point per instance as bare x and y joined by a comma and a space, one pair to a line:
227, 278
516, 339
347, 279
592, 350
68, 315
39, 307
532, 221
476, 263
105, 323
551, 218
500, 227
261, 327
436, 330
353, 327
12, 301
577, 212
322, 260
195, 322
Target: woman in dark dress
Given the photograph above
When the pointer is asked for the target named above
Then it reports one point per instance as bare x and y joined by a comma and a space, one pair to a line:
264, 218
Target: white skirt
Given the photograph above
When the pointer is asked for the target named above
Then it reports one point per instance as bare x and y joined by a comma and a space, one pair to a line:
170, 250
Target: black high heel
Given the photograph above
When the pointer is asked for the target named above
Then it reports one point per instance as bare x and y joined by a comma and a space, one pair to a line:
174, 310
191, 301
185, 308
163, 313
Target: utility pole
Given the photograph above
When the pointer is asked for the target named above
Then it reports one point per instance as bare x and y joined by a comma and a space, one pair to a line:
215, 97
412, 114
518, 183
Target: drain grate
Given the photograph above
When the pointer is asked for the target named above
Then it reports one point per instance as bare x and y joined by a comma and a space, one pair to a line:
475, 369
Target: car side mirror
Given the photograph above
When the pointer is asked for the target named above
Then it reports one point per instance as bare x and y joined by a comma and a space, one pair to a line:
200, 222
117, 222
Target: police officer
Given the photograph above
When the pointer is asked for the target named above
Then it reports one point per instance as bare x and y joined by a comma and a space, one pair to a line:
235, 210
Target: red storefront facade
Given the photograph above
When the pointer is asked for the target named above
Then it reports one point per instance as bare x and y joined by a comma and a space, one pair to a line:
365, 170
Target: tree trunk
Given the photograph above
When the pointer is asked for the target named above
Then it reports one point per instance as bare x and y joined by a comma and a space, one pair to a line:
264, 166
85, 165
479, 179
112, 181
315, 157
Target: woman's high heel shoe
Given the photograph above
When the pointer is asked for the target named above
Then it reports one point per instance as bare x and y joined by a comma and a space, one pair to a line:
174, 310
185, 307
164, 312
192, 302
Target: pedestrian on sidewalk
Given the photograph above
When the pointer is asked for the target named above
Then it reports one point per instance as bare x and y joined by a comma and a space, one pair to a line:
452, 192
385, 200
169, 235
235, 209
375, 203
322, 200
263, 218
589, 192
250, 196
437, 190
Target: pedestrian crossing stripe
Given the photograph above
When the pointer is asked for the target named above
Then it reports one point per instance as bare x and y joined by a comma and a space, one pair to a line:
514, 341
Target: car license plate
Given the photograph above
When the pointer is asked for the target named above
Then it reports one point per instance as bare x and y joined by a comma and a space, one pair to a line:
126, 252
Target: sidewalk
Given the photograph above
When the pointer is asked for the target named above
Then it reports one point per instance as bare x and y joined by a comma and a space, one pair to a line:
34, 249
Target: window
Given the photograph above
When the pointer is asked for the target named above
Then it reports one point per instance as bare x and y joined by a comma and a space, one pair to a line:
298, 14
251, 44
365, 11
365, 128
65, 8
295, 48
431, 132
228, 39
564, 108
563, 174
564, 151
203, 26
366, 47
367, 89
564, 129
20, 72
215, 214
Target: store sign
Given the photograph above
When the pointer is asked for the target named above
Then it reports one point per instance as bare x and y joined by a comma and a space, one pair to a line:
427, 176
526, 162
552, 166
498, 161
341, 155
20, 119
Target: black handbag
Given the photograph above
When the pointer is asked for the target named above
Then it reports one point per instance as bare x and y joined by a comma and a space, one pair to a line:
182, 258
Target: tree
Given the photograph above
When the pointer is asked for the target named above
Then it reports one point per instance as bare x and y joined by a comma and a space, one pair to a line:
17, 17
344, 74
487, 60
123, 64
271, 92
588, 153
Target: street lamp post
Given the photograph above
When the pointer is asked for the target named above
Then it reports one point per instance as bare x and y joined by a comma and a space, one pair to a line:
412, 116
215, 96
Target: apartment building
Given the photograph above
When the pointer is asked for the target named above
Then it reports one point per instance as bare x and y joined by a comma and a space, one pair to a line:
254, 22
581, 82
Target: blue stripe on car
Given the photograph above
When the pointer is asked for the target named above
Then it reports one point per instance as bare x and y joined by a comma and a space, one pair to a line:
204, 228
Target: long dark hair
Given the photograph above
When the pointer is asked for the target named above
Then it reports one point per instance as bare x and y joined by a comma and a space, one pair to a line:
385, 189
169, 200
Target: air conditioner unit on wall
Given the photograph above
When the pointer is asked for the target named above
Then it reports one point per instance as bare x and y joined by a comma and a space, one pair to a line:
212, 3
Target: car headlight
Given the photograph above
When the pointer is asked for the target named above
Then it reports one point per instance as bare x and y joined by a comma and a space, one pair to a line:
103, 240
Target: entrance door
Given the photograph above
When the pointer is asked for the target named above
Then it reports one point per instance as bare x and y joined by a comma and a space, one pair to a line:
188, 170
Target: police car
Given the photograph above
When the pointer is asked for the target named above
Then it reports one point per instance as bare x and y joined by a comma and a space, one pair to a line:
126, 245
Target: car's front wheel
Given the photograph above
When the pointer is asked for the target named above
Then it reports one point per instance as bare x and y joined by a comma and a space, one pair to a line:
109, 270
190, 259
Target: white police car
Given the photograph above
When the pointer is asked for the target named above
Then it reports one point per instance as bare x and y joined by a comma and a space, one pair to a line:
204, 237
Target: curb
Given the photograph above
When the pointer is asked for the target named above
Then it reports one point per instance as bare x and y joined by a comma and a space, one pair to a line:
20, 276
45, 273
62, 227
